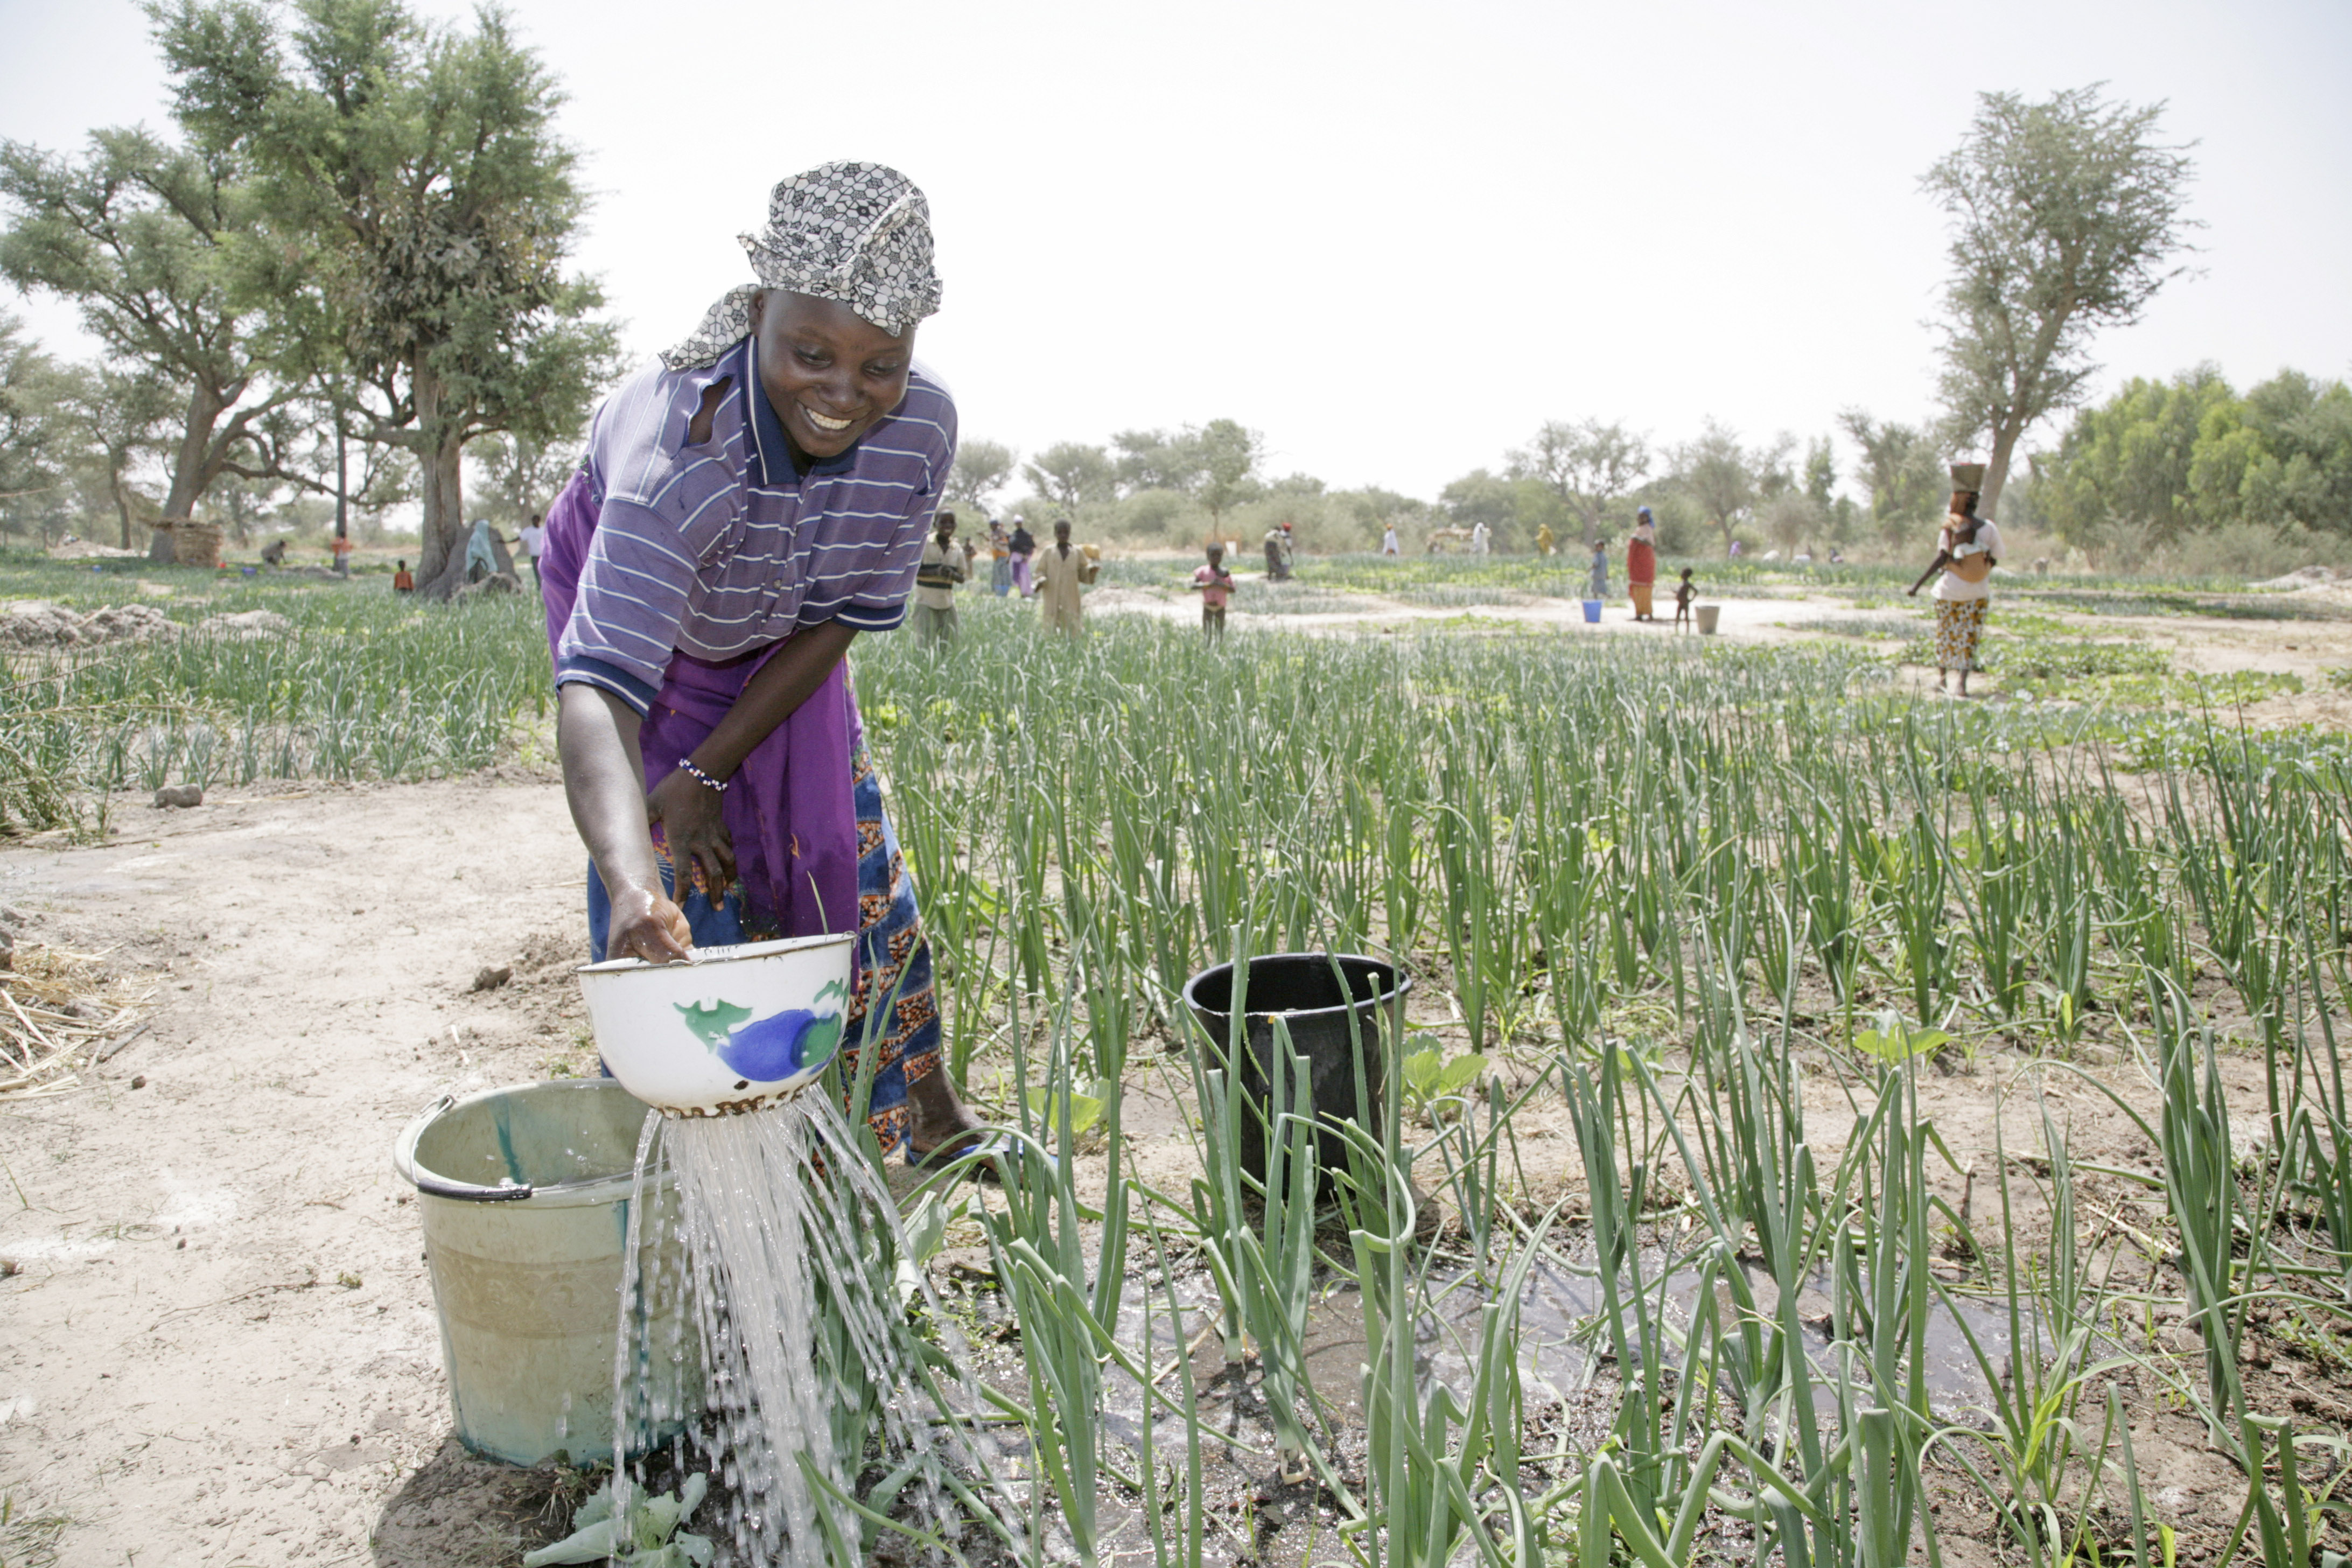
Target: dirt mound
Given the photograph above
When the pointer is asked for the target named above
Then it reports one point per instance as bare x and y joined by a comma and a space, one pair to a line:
245, 625
496, 583
2306, 577
36, 623
130, 622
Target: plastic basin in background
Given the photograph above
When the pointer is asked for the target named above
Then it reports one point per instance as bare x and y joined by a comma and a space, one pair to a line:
1707, 616
1325, 1022
524, 1195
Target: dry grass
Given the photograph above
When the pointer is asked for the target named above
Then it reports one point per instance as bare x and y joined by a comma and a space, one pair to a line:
28, 1536
61, 1013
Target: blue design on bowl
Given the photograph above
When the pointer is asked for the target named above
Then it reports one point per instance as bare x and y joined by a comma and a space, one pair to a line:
770, 1049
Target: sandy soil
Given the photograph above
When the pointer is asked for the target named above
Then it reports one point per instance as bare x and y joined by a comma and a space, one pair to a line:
221, 1345
2309, 649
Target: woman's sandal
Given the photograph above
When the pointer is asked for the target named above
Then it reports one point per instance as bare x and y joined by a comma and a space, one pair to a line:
990, 1148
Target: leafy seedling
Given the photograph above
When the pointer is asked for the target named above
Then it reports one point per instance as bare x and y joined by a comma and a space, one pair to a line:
1894, 1041
1430, 1077
647, 1536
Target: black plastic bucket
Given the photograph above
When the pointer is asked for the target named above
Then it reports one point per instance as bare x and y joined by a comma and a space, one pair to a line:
1327, 1002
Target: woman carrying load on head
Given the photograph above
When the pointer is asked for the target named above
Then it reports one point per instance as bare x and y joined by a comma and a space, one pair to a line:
1967, 549
747, 507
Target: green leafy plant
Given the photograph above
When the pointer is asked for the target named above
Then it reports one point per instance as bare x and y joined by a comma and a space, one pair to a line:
650, 1534
1895, 1040
1430, 1077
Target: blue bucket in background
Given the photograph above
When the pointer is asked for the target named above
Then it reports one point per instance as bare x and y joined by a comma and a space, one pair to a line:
1591, 612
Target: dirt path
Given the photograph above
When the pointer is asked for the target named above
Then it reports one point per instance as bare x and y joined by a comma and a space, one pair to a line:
220, 1343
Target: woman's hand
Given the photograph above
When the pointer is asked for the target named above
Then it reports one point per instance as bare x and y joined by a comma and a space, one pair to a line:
696, 829
646, 925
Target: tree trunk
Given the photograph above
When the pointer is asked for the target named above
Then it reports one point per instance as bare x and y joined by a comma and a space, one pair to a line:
2005, 434
204, 406
441, 442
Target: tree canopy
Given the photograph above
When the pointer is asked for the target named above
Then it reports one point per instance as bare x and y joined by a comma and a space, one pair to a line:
2066, 217
415, 212
134, 233
1903, 466
2161, 460
981, 468
1592, 467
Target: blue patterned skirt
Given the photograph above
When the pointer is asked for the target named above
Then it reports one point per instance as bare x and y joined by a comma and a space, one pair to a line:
894, 957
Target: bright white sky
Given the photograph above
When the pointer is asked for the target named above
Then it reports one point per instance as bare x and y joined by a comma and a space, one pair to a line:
1395, 239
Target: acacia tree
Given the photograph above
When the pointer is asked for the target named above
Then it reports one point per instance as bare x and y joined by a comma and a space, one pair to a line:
1230, 453
1070, 472
1591, 467
416, 210
134, 233
1725, 478
120, 418
1159, 460
980, 471
1904, 470
32, 436
2067, 217
525, 475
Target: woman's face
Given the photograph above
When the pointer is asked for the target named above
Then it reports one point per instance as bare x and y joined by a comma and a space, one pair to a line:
830, 374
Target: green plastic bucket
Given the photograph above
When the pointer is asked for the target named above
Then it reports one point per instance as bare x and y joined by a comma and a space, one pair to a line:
524, 1195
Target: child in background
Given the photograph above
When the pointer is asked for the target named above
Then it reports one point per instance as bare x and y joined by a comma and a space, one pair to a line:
1684, 592
404, 581
1215, 585
342, 549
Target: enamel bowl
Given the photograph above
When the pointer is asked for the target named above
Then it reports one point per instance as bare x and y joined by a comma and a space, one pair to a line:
734, 1029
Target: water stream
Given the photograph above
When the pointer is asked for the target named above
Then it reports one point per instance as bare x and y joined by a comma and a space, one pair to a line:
813, 1385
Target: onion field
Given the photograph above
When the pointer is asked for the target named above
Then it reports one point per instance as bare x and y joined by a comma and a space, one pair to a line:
1830, 1127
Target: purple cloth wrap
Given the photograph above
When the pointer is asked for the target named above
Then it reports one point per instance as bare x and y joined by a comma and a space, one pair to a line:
788, 809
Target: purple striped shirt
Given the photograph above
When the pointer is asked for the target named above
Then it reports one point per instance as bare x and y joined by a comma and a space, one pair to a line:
719, 549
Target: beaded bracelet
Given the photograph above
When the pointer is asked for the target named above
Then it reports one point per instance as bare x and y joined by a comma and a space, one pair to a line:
698, 776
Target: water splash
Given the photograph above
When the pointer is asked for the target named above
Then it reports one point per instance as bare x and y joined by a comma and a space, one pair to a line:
815, 1381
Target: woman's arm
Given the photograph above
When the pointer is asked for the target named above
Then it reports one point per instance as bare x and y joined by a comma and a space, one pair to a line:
596, 738
689, 809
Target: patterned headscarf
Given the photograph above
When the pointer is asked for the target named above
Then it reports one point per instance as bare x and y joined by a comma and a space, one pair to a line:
856, 233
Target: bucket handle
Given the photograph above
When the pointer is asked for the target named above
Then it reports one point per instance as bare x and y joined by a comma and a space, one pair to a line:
403, 1162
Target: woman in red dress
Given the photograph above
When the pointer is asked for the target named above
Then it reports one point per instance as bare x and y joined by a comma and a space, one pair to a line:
1642, 563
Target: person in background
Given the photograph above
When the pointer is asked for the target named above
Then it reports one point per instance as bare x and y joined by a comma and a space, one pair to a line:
1024, 546
1599, 587
404, 581
1545, 542
531, 536
1967, 549
273, 553
936, 572
1215, 585
1642, 563
1735, 549
341, 546
1480, 540
1274, 567
481, 558
1000, 559
1061, 570
1684, 592
1389, 546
